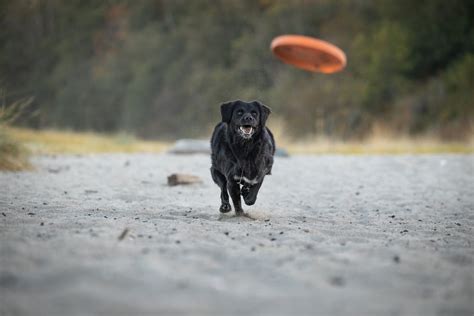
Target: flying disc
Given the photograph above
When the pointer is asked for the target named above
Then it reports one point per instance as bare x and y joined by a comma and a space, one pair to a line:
309, 53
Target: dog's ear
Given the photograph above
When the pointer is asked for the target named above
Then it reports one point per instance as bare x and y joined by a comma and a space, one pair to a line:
226, 111
264, 112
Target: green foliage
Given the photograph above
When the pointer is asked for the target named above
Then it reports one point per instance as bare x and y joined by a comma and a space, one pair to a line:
454, 108
438, 31
383, 59
160, 68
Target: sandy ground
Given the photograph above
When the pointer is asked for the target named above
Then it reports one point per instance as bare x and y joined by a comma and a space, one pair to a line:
331, 235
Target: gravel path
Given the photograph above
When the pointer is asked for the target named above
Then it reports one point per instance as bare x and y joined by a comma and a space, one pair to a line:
331, 235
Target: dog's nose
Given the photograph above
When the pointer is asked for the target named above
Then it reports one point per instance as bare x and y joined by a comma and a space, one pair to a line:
247, 118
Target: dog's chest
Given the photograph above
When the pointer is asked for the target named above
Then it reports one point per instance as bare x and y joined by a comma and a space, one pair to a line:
247, 172
244, 179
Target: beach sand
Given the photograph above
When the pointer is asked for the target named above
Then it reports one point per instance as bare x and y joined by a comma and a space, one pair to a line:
329, 235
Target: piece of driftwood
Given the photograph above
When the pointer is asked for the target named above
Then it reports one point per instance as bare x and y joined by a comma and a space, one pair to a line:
183, 179
123, 234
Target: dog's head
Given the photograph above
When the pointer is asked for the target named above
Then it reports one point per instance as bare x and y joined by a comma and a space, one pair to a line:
245, 118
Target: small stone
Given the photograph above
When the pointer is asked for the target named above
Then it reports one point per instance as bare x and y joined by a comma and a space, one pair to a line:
183, 179
337, 281
396, 259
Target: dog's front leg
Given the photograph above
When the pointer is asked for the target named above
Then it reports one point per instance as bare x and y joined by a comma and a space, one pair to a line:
234, 191
249, 193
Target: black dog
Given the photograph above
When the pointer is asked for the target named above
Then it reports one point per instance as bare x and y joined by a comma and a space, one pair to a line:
242, 152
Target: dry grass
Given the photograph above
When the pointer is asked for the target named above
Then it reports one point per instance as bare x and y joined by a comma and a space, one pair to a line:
379, 146
65, 142
382, 141
57, 142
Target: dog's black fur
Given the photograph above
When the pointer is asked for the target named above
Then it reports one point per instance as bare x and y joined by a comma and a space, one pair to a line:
242, 152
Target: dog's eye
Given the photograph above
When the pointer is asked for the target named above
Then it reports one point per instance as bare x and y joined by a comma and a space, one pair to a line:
254, 113
240, 112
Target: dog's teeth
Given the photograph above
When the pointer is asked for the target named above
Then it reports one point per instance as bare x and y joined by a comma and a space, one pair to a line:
246, 130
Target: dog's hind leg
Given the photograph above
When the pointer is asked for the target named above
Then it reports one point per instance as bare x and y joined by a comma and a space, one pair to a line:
221, 181
269, 165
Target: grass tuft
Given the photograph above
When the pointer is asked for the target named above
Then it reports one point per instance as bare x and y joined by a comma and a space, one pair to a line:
13, 155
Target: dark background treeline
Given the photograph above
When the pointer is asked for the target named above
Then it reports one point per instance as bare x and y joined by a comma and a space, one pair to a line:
160, 68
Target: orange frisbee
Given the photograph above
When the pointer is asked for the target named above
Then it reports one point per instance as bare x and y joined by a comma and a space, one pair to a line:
309, 53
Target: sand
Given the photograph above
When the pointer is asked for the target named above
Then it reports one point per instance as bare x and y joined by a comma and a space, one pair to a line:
330, 235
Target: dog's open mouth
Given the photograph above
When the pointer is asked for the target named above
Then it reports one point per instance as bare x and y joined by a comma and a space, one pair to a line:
246, 131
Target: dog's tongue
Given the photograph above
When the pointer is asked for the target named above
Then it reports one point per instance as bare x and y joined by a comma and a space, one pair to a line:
246, 129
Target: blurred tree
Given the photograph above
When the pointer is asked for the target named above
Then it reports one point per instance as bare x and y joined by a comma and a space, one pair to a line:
160, 68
